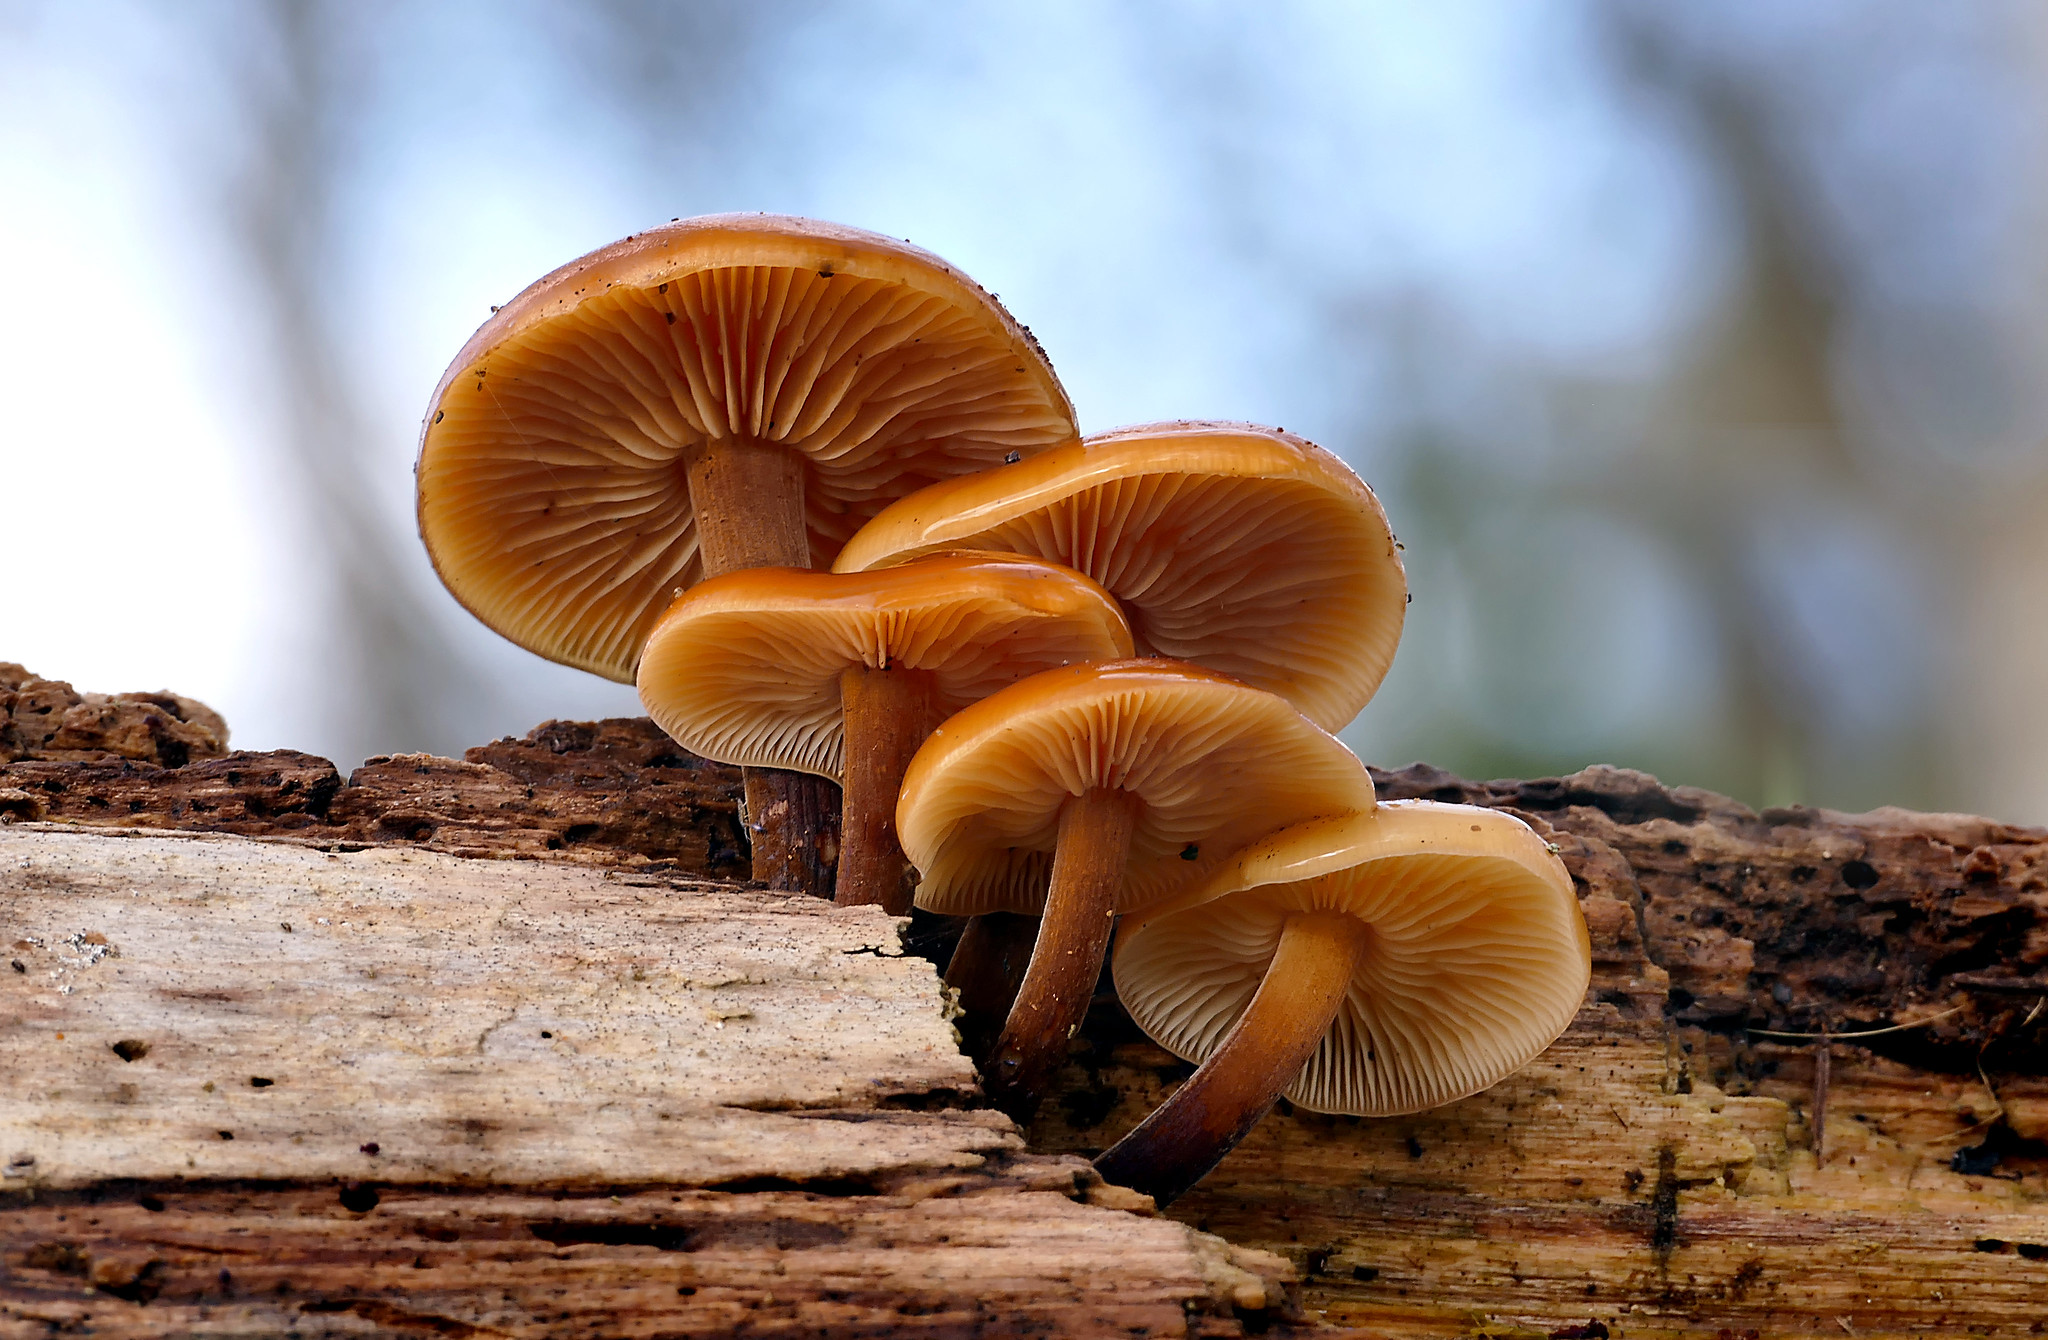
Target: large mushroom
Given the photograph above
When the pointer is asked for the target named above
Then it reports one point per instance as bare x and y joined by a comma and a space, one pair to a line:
1373, 965
845, 675
1081, 793
1244, 549
721, 393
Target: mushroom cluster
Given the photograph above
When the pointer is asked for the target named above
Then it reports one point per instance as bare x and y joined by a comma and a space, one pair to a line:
825, 503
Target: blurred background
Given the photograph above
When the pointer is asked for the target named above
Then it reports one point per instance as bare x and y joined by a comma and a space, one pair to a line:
1699, 353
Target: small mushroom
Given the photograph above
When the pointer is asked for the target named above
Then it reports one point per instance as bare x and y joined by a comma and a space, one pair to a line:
844, 675
720, 393
1243, 549
1081, 793
1373, 965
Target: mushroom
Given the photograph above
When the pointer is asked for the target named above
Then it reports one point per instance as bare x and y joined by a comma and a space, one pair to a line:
720, 393
1373, 965
1244, 549
844, 676
1085, 792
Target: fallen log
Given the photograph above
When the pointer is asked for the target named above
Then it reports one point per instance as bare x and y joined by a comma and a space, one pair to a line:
1656, 1173
258, 1086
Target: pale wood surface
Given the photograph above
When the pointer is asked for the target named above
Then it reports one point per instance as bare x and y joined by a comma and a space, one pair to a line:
480, 1021
255, 1087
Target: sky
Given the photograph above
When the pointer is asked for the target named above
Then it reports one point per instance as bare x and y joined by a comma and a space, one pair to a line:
1489, 253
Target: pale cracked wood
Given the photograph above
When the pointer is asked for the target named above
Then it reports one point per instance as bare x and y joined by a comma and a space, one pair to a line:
221, 1008
256, 1088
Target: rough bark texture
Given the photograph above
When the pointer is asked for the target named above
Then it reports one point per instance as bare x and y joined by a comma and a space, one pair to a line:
1011, 1249
257, 1087
1653, 1174
611, 793
47, 718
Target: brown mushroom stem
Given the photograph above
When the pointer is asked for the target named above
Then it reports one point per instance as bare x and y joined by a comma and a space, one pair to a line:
888, 713
749, 504
986, 968
1190, 1132
793, 827
1080, 907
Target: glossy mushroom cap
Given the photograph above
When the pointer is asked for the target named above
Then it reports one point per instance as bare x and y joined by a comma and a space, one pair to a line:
1478, 957
1244, 549
745, 667
552, 494
1213, 765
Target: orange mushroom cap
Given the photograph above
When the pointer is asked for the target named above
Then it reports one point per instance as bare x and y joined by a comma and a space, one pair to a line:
1213, 764
552, 495
1478, 957
745, 668
1244, 549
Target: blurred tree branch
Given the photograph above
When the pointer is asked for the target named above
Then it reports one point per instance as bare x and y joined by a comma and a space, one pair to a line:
304, 76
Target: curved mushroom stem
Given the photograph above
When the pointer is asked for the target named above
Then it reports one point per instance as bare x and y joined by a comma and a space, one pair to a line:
888, 714
1189, 1133
987, 967
1080, 908
749, 504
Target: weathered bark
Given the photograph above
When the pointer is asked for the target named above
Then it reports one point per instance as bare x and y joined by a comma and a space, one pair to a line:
613, 793
1011, 1249
48, 719
260, 1086
1653, 1173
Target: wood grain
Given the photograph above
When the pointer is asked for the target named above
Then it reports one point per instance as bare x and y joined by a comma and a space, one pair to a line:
1653, 1173
480, 1022
255, 1087
1013, 1252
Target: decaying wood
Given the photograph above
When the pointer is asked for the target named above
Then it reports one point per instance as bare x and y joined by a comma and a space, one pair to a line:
48, 719
1006, 1252
1653, 1174
256, 1086
610, 793
217, 1008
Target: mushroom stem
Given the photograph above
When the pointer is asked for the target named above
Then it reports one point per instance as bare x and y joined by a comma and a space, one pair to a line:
888, 713
1263, 1053
1080, 908
749, 504
986, 968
